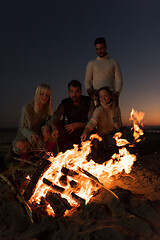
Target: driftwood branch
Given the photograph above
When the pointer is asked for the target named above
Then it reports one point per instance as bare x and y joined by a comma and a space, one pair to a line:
12, 169
97, 181
19, 197
32, 184
26, 161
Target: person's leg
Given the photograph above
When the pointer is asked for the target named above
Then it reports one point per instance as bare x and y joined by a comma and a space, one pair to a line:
109, 141
47, 139
62, 139
50, 145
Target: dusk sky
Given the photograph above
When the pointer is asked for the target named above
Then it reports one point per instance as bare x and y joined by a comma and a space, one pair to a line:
52, 41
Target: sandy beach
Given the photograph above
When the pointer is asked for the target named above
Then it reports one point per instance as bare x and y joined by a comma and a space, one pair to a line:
134, 216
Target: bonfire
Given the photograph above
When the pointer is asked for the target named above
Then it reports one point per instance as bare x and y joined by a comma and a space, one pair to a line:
63, 183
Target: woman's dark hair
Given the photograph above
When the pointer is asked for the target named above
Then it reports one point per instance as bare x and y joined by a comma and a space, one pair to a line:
107, 90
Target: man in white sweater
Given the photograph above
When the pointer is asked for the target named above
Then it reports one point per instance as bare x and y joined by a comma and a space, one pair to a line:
103, 72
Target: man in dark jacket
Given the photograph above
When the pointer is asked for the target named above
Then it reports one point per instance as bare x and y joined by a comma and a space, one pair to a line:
75, 112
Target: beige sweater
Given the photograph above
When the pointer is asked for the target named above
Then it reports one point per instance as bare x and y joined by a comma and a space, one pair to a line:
105, 119
103, 72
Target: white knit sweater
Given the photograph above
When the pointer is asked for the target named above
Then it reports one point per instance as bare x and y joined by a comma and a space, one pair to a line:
102, 72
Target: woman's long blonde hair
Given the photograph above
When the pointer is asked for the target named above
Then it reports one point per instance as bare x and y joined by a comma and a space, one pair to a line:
49, 105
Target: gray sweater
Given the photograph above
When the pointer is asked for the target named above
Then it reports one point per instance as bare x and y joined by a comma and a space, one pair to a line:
31, 121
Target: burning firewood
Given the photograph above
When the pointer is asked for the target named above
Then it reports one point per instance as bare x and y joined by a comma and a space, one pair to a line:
71, 176
75, 185
96, 180
39, 210
59, 204
78, 199
69, 172
63, 180
32, 184
53, 186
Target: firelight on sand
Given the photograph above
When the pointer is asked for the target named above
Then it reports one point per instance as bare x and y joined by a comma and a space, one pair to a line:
87, 176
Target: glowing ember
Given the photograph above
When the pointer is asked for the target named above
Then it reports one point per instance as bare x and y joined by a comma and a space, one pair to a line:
28, 177
75, 178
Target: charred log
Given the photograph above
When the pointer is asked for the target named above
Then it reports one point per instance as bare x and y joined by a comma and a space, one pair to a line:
78, 199
47, 182
58, 204
54, 187
63, 180
74, 184
69, 172
39, 210
32, 184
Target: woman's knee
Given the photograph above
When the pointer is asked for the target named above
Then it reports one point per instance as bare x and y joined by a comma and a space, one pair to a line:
20, 146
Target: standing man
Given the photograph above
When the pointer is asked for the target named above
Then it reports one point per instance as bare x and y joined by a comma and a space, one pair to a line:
103, 72
75, 112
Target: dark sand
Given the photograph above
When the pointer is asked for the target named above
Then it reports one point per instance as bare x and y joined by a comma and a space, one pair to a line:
135, 216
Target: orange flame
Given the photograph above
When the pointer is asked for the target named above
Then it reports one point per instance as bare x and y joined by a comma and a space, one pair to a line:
76, 159
136, 117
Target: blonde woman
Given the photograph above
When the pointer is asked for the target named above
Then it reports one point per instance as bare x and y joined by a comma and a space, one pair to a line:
33, 125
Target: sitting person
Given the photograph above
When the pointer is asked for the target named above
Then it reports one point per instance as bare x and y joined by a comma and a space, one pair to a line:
34, 130
74, 112
105, 118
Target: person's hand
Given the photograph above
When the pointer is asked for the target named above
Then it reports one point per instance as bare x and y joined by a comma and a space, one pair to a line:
94, 97
35, 138
93, 94
55, 133
84, 135
71, 127
116, 125
46, 133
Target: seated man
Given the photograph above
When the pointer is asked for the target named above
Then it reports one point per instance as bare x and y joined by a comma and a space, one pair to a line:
75, 112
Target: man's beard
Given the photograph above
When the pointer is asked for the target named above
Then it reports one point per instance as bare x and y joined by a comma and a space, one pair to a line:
75, 99
102, 55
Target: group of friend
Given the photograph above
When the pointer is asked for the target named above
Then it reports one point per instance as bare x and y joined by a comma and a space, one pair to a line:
77, 116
